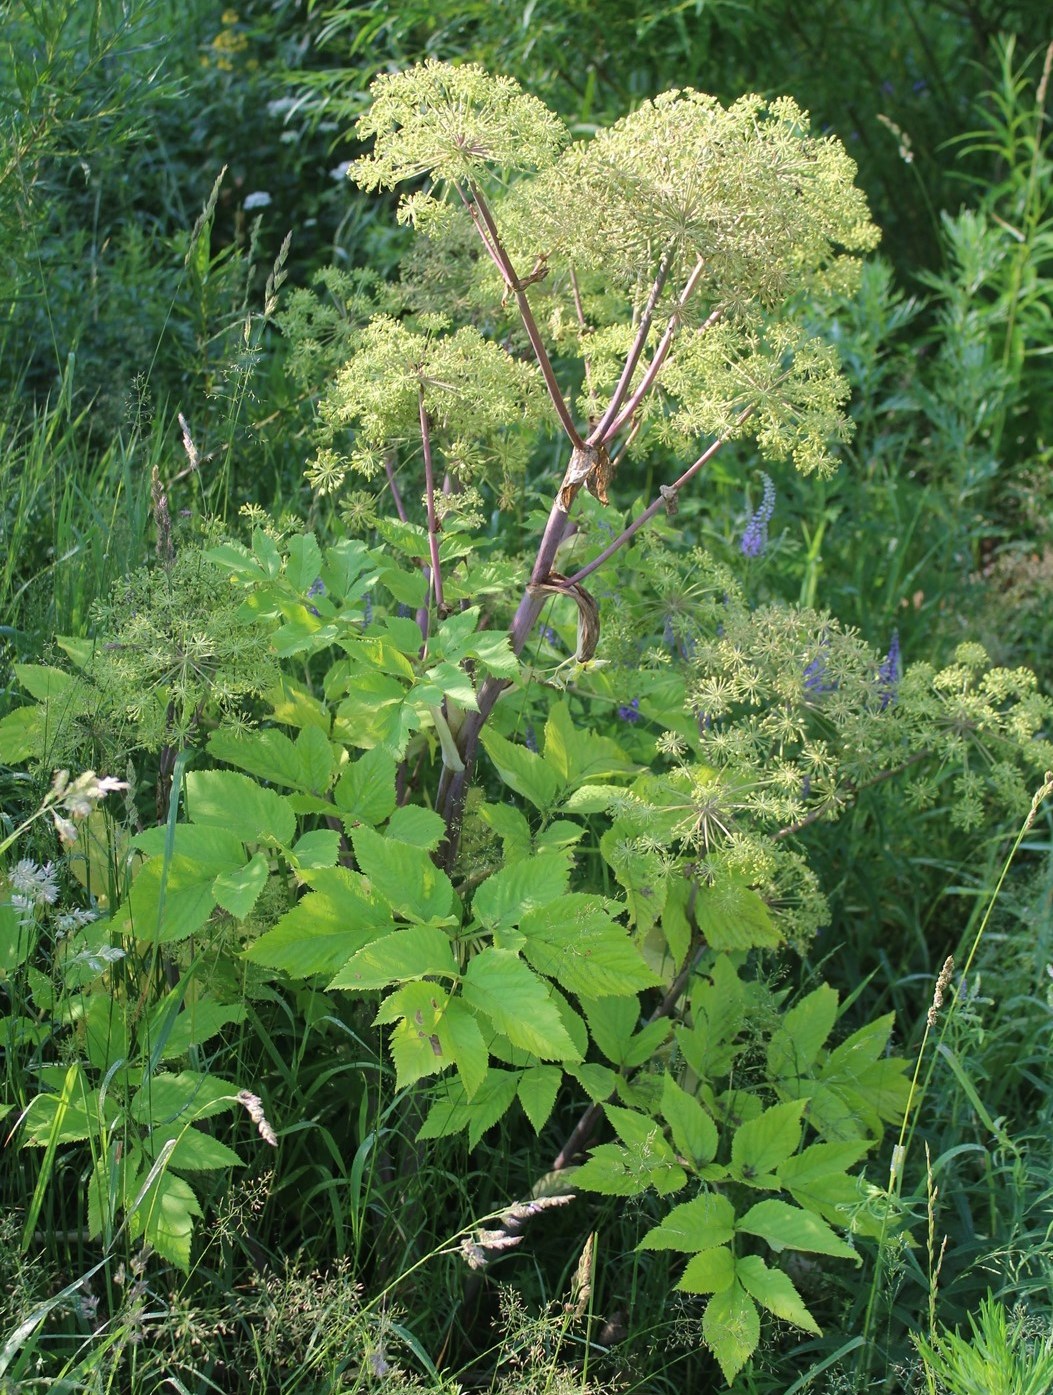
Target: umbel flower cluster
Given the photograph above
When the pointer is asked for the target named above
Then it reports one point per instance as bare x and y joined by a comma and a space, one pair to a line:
649, 293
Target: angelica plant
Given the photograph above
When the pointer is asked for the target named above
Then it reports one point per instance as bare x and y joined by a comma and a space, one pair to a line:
672, 257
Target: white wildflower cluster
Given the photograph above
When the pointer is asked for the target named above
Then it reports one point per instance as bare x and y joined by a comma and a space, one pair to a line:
71, 921
32, 886
75, 800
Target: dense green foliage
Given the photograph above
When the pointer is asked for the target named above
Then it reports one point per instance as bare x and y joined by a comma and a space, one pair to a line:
566, 906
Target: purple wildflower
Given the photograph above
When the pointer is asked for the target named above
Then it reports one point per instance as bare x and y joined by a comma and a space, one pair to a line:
817, 682
530, 737
367, 607
549, 635
755, 538
316, 588
630, 712
889, 673
403, 611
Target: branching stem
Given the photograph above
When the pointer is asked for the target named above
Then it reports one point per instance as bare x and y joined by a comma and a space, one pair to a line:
660, 503
601, 433
662, 352
487, 228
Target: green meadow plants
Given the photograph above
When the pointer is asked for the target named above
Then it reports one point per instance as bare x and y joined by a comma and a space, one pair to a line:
501, 796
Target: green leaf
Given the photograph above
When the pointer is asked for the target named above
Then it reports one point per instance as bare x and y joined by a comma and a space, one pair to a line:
712, 1271
592, 799
75, 1115
185, 1097
646, 1042
237, 560
577, 754
612, 1022
305, 764
574, 941
494, 652
731, 1329
408, 588
499, 985
236, 803
323, 930
294, 706
701, 1224
643, 1137
200, 1020
304, 564
265, 549
237, 892
761, 1144
787, 1227
694, 1132
405, 876
319, 848
616, 1171
421, 828
732, 916
194, 1151
375, 714
453, 1111
507, 895
522, 770
463, 1038
445, 680
794, 1047
165, 1218
415, 1043
773, 1290
23, 734
861, 1049
348, 564
315, 760
559, 836
537, 1090
417, 952
598, 1082
643, 876
718, 1016
162, 909
511, 827
17, 941
807, 1172
48, 684
213, 849
366, 790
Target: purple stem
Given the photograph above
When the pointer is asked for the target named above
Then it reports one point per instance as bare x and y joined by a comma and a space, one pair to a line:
600, 433
660, 503
480, 211
661, 353
396, 497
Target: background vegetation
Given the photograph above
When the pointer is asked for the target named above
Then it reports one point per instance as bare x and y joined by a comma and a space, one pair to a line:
183, 268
